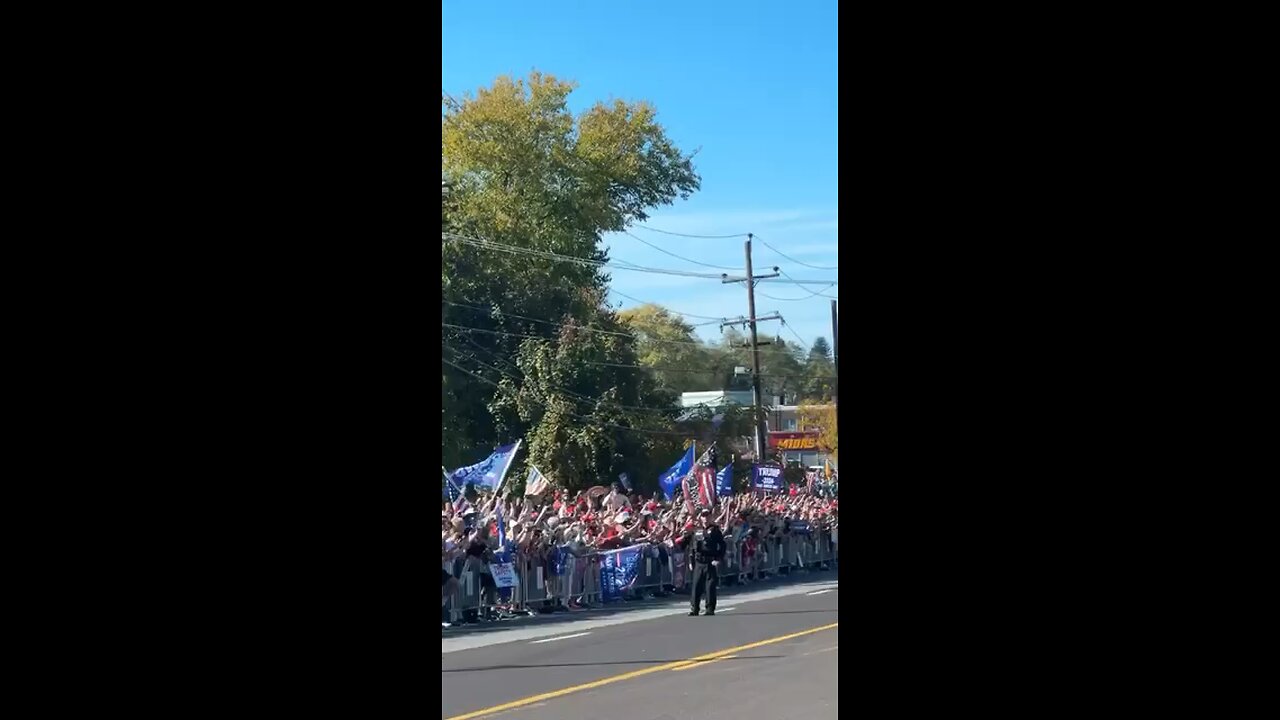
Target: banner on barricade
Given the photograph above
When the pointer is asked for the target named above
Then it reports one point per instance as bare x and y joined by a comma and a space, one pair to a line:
504, 574
618, 572
800, 526
766, 478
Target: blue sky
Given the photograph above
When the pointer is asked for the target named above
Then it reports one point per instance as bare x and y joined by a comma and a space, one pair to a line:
753, 84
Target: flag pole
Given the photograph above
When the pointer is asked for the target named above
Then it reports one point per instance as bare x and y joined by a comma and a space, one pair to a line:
498, 488
448, 480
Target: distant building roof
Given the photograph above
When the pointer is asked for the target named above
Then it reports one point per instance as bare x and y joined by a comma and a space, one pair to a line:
715, 398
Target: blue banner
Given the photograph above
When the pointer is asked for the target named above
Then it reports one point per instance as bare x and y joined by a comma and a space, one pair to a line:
766, 478
670, 480
724, 482
618, 572
487, 473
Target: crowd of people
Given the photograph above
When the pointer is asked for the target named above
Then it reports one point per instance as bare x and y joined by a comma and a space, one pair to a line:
547, 529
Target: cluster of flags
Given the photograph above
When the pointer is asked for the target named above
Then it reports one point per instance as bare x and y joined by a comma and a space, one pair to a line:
699, 481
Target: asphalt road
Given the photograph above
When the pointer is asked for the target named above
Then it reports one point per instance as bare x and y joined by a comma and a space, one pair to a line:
768, 658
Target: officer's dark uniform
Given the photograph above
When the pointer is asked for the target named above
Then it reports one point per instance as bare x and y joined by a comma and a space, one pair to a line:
707, 545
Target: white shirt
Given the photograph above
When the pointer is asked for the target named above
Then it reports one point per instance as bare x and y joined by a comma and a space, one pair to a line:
617, 502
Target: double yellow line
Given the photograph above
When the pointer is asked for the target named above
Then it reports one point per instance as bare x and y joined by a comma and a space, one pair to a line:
678, 665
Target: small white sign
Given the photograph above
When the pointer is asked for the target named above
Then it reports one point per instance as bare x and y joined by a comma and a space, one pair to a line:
504, 574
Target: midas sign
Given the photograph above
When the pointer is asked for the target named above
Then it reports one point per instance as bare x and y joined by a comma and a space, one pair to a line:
793, 440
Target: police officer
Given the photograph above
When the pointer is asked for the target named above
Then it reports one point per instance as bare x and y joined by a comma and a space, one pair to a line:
708, 552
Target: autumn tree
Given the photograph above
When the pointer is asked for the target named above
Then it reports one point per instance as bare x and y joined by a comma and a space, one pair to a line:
822, 419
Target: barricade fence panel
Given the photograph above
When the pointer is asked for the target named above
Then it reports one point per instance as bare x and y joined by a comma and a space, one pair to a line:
579, 580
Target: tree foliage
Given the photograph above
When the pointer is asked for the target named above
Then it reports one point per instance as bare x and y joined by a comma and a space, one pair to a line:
820, 385
523, 171
823, 419
533, 350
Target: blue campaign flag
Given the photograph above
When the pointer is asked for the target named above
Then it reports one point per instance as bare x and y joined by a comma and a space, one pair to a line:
626, 481
724, 481
488, 473
670, 480
618, 572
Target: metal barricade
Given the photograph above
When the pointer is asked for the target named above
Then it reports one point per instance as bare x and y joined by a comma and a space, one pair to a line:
679, 564
650, 575
728, 569
774, 548
591, 579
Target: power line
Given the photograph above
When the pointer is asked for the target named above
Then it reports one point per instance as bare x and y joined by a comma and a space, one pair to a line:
660, 368
803, 344
678, 257
806, 297
819, 292
704, 237
577, 396
576, 327
798, 262
545, 322
671, 310
483, 379
625, 264
792, 281
586, 329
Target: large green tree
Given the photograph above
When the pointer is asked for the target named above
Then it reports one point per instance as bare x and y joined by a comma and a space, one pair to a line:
530, 184
666, 343
820, 385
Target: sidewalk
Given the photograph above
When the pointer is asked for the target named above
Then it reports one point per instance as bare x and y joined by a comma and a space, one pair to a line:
623, 607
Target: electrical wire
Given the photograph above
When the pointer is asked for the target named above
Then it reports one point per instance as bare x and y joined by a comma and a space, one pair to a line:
529, 252
670, 310
483, 379
806, 297
688, 235
616, 263
798, 262
585, 329
577, 396
679, 257
659, 368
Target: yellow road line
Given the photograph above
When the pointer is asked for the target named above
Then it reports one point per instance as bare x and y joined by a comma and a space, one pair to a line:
636, 673
687, 665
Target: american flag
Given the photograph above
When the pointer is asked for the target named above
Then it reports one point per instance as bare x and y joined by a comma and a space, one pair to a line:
700, 483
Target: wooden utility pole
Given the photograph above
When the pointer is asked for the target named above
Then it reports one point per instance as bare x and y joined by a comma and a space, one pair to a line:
750, 280
835, 354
